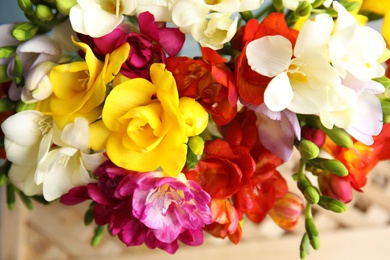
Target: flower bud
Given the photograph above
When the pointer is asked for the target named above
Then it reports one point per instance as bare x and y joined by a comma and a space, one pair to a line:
26, 6
278, 5
64, 6
334, 166
313, 134
339, 136
194, 115
308, 150
24, 31
303, 9
332, 204
97, 236
317, 3
334, 186
196, 144
44, 13
304, 247
7, 51
286, 211
37, 85
11, 196
310, 193
18, 71
312, 232
21, 106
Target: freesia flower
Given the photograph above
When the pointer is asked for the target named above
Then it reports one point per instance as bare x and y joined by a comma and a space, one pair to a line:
86, 14
27, 139
207, 80
215, 30
37, 85
147, 128
79, 88
68, 165
146, 207
335, 186
355, 49
287, 210
39, 49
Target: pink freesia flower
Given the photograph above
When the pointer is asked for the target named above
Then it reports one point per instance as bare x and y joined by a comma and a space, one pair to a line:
146, 207
148, 45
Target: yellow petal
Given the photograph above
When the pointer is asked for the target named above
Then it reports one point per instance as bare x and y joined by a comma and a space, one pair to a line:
194, 116
99, 135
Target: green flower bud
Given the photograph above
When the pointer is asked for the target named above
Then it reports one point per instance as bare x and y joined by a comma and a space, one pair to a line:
7, 51
24, 31
308, 149
6, 105
196, 144
63, 6
278, 5
312, 232
310, 193
44, 13
26, 200
88, 217
304, 247
303, 9
339, 136
317, 3
332, 204
21, 106
334, 166
97, 236
3, 74
18, 71
26, 6
3, 179
10, 196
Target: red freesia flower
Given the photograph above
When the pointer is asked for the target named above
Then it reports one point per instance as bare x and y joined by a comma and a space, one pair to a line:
250, 84
207, 80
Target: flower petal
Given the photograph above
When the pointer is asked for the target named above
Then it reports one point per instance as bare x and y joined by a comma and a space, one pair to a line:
269, 55
278, 94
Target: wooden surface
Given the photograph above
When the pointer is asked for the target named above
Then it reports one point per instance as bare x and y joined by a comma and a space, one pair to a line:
57, 232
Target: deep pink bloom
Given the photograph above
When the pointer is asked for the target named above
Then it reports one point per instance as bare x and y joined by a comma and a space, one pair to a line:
148, 45
146, 207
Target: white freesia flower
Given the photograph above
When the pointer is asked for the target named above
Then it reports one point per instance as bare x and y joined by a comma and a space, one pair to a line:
68, 165
214, 31
355, 49
87, 15
27, 139
159, 8
37, 84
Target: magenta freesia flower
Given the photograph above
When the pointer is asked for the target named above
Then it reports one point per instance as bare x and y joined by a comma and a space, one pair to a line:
148, 45
146, 207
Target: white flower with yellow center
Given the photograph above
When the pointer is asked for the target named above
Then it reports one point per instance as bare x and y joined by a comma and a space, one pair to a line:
69, 164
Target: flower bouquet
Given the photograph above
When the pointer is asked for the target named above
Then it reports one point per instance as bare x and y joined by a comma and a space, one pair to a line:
99, 104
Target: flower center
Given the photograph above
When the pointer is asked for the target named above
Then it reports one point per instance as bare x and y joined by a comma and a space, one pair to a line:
162, 197
212, 2
112, 6
295, 72
45, 124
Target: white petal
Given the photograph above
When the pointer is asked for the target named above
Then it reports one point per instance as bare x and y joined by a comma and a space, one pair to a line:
92, 161
77, 134
76, 17
187, 12
22, 128
40, 44
269, 55
278, 94
94, 15
6, 38
23, 177
21, 154
247, 5
314, 36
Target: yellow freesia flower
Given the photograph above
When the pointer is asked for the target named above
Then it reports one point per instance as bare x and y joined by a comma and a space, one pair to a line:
148, 129
79, 88
381, 7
